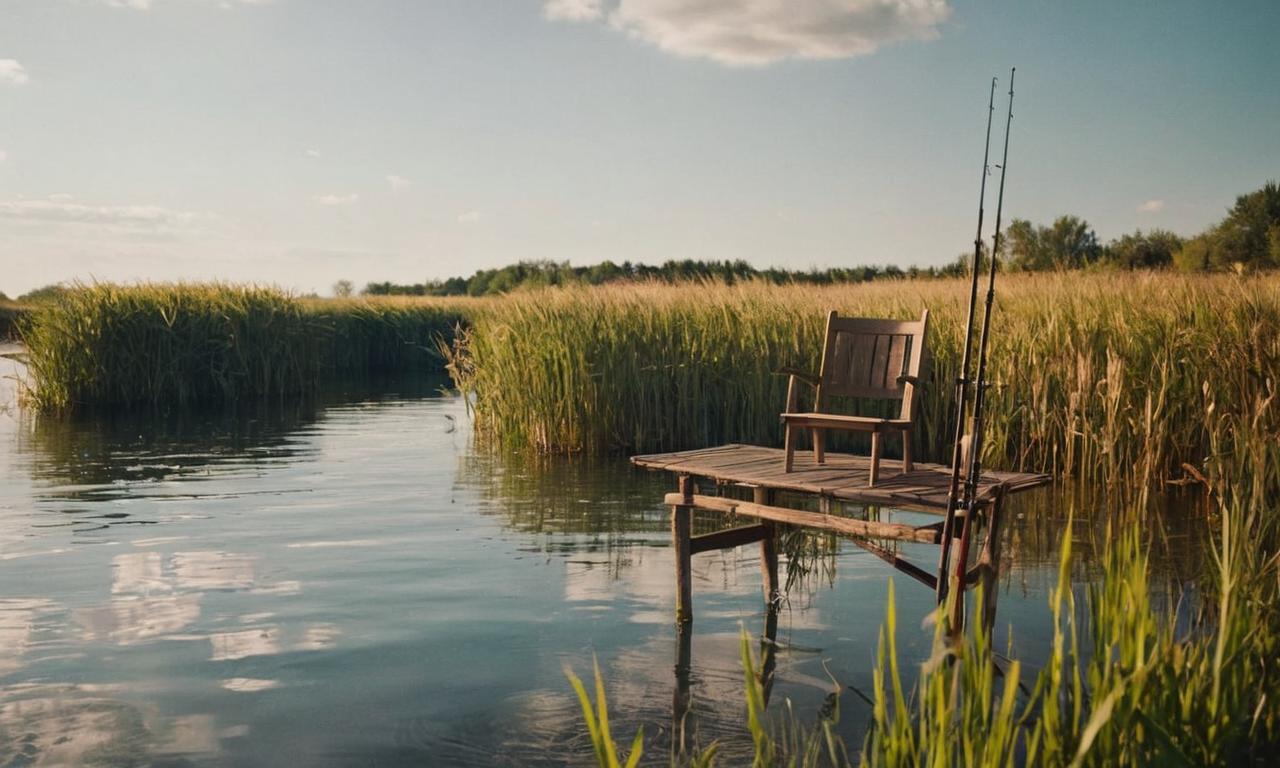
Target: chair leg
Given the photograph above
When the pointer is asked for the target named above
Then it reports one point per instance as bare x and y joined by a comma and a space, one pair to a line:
906, 451
789, 446
875, 458
819, 449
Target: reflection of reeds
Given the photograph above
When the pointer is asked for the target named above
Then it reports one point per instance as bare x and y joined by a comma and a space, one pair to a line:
1097, 377
100, 446
181, 344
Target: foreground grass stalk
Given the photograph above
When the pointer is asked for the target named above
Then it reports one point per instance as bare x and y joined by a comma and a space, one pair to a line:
1128, 680
597, 721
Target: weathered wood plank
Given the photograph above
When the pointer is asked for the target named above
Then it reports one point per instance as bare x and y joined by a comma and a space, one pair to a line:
879, 362
902, 564
843, 525
730, 538
897, 354
842, 477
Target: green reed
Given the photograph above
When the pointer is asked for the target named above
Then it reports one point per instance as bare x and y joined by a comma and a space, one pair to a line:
183, 343
1101, 376
1144, 693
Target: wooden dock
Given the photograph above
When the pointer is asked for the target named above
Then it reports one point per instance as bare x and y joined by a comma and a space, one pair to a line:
843, 478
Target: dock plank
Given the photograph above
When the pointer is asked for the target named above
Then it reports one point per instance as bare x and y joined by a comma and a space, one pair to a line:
843, 476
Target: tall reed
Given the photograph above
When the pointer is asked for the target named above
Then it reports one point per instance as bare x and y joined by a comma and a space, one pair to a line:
184, 343
1095, 376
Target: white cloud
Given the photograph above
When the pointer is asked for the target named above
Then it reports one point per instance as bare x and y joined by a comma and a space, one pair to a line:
13, 73
573, 10
61, 197
312, 153
398, 182
346, 199
1151, 206
145, 5
3, 155
470, 217
60, 210
759, 32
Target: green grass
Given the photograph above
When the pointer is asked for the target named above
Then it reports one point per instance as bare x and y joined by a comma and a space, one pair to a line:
182, 344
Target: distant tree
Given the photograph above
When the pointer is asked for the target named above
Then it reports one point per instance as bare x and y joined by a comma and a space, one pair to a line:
1197, 254
1249, 235
1021, 248
1069, 243
343, 288
1144, 251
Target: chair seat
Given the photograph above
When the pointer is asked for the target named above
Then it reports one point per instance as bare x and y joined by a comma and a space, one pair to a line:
839, 421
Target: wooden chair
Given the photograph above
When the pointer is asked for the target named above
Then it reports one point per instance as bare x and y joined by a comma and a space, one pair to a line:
864, 358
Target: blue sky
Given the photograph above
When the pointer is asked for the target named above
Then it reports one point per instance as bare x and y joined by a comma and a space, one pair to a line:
302, 141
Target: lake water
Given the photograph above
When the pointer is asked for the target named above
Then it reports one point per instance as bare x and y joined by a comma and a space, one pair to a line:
350, 581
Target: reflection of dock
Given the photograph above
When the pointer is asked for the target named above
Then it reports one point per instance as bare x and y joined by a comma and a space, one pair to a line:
735, 470
840, 478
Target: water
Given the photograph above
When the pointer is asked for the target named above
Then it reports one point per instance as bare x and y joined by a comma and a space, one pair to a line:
350, 581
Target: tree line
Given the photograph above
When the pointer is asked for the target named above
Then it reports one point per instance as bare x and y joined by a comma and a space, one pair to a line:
1247, 239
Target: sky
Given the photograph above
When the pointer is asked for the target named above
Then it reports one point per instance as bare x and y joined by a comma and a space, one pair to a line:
299, 142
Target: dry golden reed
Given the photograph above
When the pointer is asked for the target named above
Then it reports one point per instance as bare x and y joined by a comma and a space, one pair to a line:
1097, 375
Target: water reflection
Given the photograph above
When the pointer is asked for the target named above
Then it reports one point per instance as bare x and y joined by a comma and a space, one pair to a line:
346, 581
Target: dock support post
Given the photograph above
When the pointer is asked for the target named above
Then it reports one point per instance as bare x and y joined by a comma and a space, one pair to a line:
959, 568
769, 651
989, 560
873, 475
681, 699
768, 551
681, 532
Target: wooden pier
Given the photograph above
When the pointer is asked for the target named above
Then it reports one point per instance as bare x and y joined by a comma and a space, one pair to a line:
839, 478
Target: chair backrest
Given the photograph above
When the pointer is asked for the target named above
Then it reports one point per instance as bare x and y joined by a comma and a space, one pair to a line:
864, 357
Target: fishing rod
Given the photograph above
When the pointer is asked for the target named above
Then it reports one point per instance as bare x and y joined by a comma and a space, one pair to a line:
962, 381
977, 422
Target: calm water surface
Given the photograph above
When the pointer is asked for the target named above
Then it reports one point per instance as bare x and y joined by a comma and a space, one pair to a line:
350, 582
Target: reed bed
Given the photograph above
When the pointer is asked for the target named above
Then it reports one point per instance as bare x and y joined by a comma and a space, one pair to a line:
1130, 680
183, 344
1097, 375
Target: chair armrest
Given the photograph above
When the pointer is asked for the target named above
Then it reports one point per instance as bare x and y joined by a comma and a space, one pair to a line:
811, 379
793, 394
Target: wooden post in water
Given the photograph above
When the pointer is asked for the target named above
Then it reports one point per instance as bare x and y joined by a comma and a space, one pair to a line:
960, 566
769, 651
768, 551
989, 560
681, 532
681, 698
